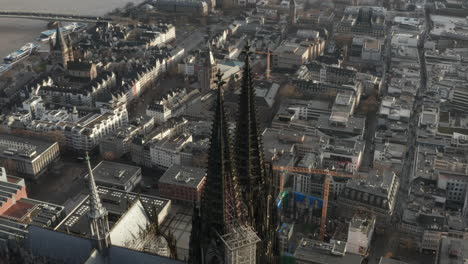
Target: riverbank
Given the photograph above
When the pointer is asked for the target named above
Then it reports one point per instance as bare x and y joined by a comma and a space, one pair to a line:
14, 33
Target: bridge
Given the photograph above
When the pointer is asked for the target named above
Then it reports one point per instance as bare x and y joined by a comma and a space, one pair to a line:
55, 16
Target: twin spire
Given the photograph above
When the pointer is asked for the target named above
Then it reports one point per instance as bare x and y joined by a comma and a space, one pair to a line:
221, 206
235, 191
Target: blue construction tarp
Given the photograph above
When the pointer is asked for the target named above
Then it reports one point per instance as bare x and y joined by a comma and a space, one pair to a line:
280, 203
300, 198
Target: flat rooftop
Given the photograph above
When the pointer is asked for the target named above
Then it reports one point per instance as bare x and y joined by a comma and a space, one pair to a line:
272, 140
364, 222
183, 176
114, 173
449, 26
372, 44
452, 251
344, 98
28, 211
390, 261
354, 125
19, 209
380, 185
321, 252
22, 147
116, 202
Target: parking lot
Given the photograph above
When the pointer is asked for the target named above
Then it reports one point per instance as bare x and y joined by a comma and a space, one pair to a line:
62, 184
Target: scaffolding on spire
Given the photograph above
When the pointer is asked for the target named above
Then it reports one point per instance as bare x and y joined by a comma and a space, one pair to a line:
240, 240
255, 179
241, 245
219, 233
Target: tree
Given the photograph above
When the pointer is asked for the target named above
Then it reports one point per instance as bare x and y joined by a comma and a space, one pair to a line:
369, 105
109, 155
307, 5
129, 5
232, 83
116, 11
200, 160
382, 166
55, 136
9, 165
289, 90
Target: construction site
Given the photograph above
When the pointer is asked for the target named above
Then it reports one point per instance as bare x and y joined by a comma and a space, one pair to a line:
329, 216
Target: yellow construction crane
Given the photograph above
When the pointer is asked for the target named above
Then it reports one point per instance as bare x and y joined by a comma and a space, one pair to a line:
326, 187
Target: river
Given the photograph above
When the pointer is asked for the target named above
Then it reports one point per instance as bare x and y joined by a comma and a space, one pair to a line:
14, 33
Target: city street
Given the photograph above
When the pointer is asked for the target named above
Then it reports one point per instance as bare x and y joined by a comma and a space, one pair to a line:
190, 40
369, 134
390, 242
322, 90
163, 85
194, 40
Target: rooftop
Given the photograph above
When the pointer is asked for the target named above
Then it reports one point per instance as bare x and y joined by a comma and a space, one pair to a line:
363, 222
452, 251
114, 173
183, 176
407, 20
116, 202
354, 125
390, 261
376, 184
22, 147
175, 144
290, 48
372, 44
449, 26
19, 211
79, 66
321, 252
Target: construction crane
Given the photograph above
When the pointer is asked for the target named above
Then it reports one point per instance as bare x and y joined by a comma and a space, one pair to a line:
268, 54
326, 187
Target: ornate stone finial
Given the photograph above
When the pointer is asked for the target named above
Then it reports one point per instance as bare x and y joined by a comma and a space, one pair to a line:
219, 81
246, 50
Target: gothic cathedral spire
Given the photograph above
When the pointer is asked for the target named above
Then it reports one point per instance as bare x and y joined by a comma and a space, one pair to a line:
218, 206
292, 12
237, 192
97, 215
249, 150
207, 74
220, 169
196, 236
254, 178
61, 51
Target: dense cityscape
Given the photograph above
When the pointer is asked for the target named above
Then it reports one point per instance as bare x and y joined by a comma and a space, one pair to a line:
238, 132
